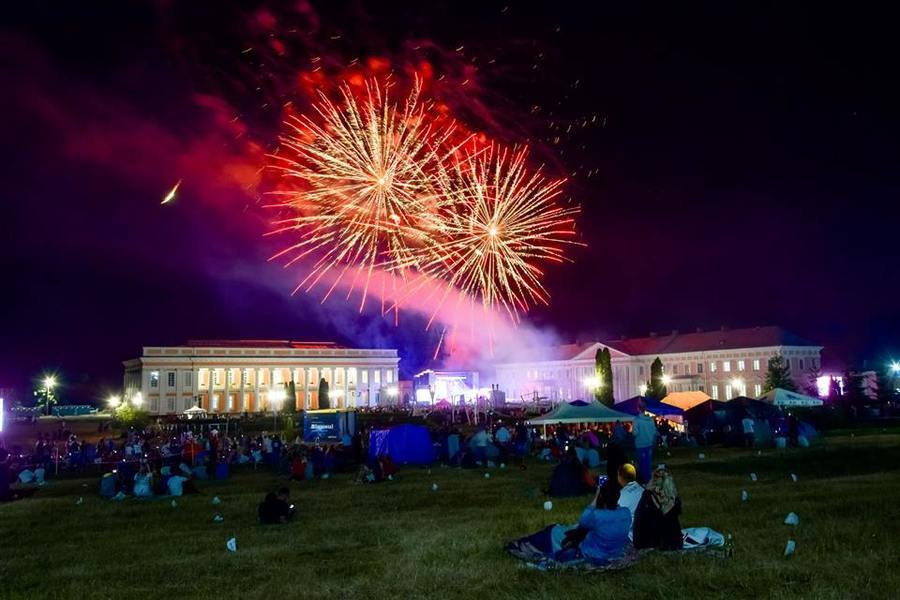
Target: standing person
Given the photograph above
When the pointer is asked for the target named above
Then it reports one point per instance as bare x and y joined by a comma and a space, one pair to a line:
479, 445
502, 437
747, 424
793, 430
645, 435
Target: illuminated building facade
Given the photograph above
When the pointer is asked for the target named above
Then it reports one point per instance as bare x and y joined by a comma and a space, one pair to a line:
723, 363
255, 376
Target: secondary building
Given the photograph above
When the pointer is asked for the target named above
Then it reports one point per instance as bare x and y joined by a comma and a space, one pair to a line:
237, 376
724, 363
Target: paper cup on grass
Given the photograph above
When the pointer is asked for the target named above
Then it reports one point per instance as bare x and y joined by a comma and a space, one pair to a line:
792, 519
753, 477
434, 487
548, 505
790, 547
744, 496
231, 545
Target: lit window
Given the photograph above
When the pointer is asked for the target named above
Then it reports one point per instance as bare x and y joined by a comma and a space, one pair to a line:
154, 379
757, 390
377, 377
390, 376
230, 376
756, 364
699, 367
727, 391
230, 403
726, 366
740, 365
217, 379
188, 379
170, 379
715, 392
214, 405
365, 377
712, 367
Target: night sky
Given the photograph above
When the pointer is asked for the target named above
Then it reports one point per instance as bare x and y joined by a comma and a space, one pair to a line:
739, 168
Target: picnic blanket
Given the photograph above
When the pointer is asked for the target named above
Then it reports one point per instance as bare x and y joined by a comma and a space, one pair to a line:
695, 539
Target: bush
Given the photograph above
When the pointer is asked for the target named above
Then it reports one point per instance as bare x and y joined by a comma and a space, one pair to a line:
128, 415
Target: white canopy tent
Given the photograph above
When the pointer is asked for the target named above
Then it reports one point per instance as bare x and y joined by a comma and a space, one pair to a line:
195, 412
781, 397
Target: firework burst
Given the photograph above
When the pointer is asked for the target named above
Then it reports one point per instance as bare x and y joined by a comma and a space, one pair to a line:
499, 221
365, 173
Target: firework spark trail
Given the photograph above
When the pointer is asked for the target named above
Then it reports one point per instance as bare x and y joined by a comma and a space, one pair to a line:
367, 169
498, 221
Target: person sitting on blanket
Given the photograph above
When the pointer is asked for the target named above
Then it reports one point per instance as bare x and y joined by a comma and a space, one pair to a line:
656, 523
630, 491
600, 536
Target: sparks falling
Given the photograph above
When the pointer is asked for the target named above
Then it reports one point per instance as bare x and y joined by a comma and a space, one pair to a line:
171, 195
364, 173
379, 187
499, 223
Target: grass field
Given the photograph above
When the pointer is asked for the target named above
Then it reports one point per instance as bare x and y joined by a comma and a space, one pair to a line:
402, 540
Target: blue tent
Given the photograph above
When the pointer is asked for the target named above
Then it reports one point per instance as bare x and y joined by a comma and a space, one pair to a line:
405, 444
652, 406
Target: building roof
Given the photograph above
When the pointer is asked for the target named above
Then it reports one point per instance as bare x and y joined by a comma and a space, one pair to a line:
260, 344
724, 339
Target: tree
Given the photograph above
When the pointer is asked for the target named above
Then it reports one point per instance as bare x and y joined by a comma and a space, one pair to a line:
45, 394
778, 375
655, 387
834, 390
812, 383
128, 415
290, 395
603, 370
323, 394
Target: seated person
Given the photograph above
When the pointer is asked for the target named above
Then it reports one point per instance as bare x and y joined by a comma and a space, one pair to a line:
570, 477
108, 485
388, 468
656, 523
275, 508
600, 536
630, 491
176, 485
143, 482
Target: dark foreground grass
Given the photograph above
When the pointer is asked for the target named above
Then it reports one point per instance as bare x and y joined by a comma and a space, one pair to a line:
402, 540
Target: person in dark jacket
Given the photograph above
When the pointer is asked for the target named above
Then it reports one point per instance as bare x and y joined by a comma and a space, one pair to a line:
656, 523
569, 478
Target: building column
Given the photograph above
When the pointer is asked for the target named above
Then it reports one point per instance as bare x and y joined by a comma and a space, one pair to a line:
255, 390
306, 388
270, 387
240, 402
227, 395
195, 385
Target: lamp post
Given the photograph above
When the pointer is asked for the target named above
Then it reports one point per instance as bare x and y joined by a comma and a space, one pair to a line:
49, 384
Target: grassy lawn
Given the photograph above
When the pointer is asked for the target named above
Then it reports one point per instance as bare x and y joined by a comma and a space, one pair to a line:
400, 539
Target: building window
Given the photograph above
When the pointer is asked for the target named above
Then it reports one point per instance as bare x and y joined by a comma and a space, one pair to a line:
171, 407
801, 363
712, 367
757, 390
715, 392
726, 366
674, 369
154, 379
365, 376
230, 403
214, 405
154, 405
699, 368
740, 365
170, 379
641, 369
188, 379
376, 376
756, 364
390, 376
217, 377
728, 391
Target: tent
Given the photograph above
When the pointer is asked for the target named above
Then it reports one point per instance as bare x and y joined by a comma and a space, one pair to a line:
781, 397
653, 406
405, 444
195, 412
685, 400
581, 412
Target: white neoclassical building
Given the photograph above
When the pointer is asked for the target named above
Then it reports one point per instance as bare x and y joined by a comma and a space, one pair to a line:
723, 363
228, 376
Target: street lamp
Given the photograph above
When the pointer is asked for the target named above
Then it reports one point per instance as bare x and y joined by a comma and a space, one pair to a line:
895, 367
738, 384
592, 382
49, 384
137, 399
113, 401
643, 389
666, 380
